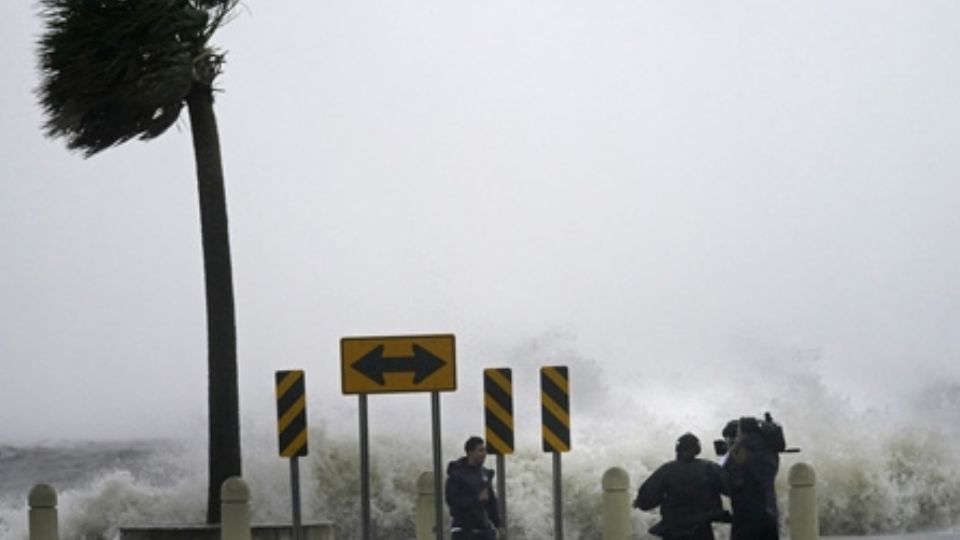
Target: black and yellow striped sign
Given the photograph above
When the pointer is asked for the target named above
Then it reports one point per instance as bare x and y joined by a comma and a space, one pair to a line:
498, 410
555, 408
291, 413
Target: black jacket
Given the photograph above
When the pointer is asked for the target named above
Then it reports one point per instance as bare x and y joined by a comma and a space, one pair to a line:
752, 467
688, 493
462, 493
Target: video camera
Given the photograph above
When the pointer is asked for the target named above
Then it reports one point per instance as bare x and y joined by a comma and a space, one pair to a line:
771, 431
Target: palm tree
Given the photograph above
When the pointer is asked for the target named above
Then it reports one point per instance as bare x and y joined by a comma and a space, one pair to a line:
113, 70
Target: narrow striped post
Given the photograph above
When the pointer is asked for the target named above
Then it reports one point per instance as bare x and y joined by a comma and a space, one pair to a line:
498, 417
498, 410
555, 408
291, 413
555, 412
292, 433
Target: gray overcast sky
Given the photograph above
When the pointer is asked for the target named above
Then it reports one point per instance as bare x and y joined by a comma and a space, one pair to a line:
659, 183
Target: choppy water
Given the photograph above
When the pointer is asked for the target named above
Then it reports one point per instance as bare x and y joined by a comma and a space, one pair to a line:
879, 472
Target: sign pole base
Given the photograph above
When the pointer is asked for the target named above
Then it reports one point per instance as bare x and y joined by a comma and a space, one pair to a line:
437, 465
364, 471
502, 488
295, 498
557, 499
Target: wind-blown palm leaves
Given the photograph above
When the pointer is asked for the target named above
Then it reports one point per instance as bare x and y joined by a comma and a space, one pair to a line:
113, 70
119, 69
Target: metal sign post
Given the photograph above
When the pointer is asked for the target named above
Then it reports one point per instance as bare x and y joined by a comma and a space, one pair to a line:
555, 412
437, 484
292, 433
295, 497
364, 471
557, 498
498, 431
502, 488
391, 364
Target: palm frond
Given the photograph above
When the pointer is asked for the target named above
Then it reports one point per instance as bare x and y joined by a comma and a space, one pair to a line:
113, 70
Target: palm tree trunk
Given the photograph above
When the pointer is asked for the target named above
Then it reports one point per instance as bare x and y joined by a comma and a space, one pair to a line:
223, 396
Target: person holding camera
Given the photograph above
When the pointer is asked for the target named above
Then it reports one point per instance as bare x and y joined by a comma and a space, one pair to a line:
722, 446
752, 466
687, 490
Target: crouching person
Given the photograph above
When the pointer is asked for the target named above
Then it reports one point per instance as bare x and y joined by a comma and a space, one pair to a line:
687, 490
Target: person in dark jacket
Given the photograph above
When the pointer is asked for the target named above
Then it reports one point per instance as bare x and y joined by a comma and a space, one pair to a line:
470, 496
723, 446
687, 490
752, 469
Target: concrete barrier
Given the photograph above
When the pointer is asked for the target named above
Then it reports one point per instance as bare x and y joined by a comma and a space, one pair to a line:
234, 523
425, 511
235, 514
258, 531
234, 509
802, 519
615, 505
43, 513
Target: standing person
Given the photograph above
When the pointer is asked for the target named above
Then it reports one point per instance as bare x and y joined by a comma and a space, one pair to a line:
752, 467
723, 446
687, 490
470, 496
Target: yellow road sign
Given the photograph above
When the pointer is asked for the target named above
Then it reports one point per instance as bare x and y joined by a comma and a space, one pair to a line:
371, 365
498, 410
555, 408
291, 413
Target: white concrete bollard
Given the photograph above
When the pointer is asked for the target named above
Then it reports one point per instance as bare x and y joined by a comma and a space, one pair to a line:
426, 512
803, 521
234, 509
615, 505
43, 513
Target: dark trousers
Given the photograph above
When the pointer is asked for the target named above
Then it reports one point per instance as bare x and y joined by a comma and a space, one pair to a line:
474, 534
704, 532
760, 528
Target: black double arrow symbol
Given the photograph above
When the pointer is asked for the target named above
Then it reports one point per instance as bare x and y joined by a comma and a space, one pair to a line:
422, 364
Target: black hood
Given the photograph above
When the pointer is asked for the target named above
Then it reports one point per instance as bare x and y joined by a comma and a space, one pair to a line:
457, 464
463, 464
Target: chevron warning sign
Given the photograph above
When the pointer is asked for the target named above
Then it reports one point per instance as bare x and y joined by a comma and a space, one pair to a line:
498, 410
555, 408
291, 413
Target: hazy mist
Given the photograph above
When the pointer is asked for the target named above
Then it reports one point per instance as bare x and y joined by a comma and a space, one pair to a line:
667, 196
